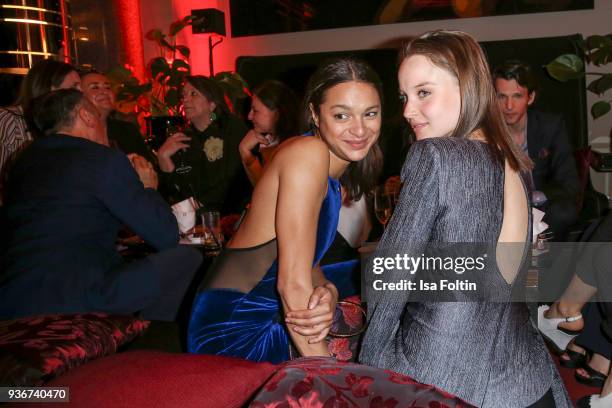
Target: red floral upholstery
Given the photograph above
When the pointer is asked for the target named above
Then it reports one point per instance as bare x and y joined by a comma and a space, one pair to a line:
325, 382
348, 324
36, 349
156, 379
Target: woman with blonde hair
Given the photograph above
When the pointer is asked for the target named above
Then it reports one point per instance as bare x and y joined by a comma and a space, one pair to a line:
462, 188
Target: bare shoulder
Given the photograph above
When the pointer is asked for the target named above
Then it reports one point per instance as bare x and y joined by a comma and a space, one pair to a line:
303, 151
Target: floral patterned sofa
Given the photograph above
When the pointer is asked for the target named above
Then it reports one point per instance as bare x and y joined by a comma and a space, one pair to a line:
79, 352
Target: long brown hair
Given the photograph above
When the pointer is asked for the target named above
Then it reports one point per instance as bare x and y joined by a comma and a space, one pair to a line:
459, 54
359, 177
42, 78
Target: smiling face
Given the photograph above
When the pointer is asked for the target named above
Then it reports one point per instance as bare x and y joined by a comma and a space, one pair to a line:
513, 100
349, 120
97, 89
263, 118
431, 96
196, 106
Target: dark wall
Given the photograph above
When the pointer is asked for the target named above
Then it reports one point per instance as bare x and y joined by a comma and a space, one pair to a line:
568, 99
294, 70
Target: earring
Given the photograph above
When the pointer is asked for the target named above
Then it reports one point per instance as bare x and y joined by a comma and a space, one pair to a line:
213, 116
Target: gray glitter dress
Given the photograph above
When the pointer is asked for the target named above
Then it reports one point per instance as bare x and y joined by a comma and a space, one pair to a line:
487, 353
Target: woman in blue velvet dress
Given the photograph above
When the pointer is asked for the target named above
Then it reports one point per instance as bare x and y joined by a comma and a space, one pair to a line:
265, 291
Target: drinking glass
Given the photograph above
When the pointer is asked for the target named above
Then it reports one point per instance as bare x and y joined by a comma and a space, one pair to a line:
383, 204
211, 223
181, 167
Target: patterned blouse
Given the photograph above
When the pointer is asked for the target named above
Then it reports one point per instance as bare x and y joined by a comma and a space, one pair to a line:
13, 136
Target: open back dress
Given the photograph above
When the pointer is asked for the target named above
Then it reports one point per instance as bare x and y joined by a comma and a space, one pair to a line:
237, 311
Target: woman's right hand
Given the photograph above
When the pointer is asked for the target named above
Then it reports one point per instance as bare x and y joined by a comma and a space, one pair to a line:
172, 145
248, 143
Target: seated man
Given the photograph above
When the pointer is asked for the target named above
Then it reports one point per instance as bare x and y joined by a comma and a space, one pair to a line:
544, 137
122, 135
67, 197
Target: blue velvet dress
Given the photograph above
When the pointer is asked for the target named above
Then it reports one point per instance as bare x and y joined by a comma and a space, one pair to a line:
249, 324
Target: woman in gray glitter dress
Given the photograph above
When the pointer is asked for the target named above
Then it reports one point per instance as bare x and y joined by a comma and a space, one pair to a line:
462, 184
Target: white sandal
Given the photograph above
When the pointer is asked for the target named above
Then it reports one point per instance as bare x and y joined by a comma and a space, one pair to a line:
551, 331
595, 401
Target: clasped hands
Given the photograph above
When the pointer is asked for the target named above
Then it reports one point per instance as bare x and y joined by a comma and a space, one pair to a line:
144, 169
315, 322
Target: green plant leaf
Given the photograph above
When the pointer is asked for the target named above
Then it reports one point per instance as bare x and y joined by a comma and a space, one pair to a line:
132, 92
232, 83
184, 50
599, 109
233, 78
566, 67
582, 45
154, 35
180, 65
158, 108
601, 84
601, 56
172, 97
119, 74
176, 78
159, 66
131, 81
165, 44
176, 28
178, 25
597, 41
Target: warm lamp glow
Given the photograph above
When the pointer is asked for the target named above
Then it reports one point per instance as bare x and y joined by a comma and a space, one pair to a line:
26, 20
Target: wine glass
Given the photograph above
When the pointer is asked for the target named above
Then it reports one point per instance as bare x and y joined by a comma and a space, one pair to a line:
181, 167
383, 204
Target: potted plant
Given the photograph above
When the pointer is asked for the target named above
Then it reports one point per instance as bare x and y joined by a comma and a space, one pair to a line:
159, 98
595, 50
167, 73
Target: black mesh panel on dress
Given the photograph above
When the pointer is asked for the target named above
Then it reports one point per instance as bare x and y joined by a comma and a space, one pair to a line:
240, 268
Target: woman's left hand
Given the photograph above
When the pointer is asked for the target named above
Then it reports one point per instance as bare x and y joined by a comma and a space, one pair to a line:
316, 321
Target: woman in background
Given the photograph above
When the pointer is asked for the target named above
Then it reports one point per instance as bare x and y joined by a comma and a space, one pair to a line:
265, 291
462, 184
203, 161
15, 131
274, 115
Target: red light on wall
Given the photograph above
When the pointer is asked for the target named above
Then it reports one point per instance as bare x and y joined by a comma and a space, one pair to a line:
128, 13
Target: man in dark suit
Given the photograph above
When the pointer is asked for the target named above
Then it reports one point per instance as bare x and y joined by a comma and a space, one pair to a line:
67, 197
544, 137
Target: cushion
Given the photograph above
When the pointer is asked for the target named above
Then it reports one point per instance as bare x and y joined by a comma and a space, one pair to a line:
347, 327
325, 382
36, 349
155, 379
